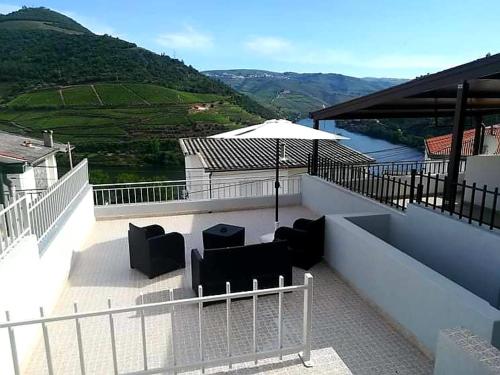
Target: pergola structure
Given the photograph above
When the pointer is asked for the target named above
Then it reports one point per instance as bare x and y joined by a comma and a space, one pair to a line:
468, 90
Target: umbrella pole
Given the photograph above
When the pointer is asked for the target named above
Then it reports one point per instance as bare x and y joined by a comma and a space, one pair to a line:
277, 183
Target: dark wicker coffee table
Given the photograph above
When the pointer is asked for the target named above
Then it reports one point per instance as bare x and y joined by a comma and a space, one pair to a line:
223, 235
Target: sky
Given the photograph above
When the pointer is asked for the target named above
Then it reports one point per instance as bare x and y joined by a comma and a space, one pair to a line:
375, 38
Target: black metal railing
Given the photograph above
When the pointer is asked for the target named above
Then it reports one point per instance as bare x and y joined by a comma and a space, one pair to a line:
402, 168
474, 203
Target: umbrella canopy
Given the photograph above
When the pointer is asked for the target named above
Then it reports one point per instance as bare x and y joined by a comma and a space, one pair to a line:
279, 129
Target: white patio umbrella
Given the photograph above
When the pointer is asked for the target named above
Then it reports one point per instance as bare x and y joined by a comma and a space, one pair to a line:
278, 129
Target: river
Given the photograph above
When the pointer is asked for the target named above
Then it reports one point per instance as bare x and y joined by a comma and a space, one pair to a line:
378, 149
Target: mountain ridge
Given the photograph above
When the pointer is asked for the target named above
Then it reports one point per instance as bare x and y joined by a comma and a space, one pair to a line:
44, 15
41, 48
293, 94
121, 105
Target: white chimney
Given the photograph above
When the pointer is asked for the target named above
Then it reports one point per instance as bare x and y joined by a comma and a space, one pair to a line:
48, 139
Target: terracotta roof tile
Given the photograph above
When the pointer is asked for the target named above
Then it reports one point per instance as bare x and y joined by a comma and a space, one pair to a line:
441, 145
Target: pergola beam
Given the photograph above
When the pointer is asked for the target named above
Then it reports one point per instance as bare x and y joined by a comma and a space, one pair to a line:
367, 114
487, 69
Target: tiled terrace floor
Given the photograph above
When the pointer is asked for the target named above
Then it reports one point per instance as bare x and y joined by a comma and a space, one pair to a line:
349, 337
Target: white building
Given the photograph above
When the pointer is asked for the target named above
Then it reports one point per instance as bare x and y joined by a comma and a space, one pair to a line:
440, 147
481, 169
211, 163
27, 165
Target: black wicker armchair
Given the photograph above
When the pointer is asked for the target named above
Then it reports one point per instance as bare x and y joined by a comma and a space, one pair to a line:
153, 252
306, 241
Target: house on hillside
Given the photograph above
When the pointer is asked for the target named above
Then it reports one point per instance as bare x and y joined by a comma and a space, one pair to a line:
481, 166
27, 165
211, 163
440, 147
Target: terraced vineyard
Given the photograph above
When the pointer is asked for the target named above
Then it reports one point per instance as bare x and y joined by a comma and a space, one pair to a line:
107, 95
118, 125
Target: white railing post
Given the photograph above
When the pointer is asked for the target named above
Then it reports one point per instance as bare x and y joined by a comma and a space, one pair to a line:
228, 323
172, 333
46, 341
308, 300
13, 347
280, 317
79, 340
113, 339
143, 334
200, 327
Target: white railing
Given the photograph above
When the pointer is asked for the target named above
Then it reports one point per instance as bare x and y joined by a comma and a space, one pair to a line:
303, 349
31, 194
48, 208
199, 189
14, 224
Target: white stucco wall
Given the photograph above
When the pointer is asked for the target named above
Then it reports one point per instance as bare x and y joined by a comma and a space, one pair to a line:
195, 175
490, 144
230, 184
483, 170
29, 280
51, 167
326, 198
418, 299
24, 181
191, 207
46, 172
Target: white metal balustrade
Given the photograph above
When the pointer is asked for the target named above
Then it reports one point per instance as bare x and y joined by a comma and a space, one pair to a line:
39, 216
198, 189
14, 224
48, 208
303, 350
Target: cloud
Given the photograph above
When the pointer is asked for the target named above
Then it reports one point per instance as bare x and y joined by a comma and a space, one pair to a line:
8, 8
189, 38
268, 45
284, 51
413, 62
96, 26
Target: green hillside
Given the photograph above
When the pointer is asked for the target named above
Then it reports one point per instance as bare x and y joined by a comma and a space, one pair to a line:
42, 49
122, 106
294, 95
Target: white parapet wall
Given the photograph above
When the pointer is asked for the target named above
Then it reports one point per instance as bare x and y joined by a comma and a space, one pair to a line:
30, 278
118, 211
326, 198
418, 299
377, 254
483, 170
459, 352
